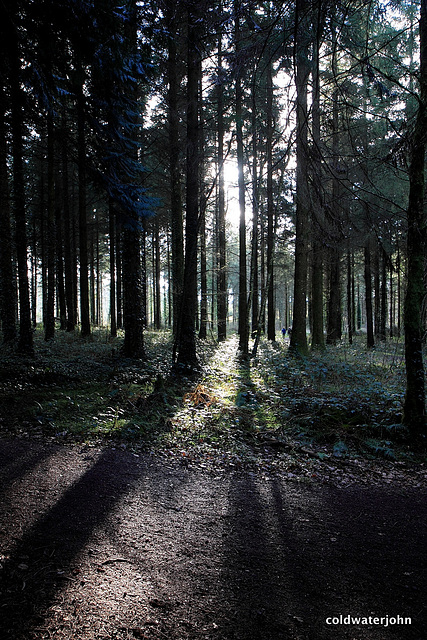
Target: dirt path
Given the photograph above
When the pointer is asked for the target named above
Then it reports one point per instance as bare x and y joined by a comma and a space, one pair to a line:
102, 543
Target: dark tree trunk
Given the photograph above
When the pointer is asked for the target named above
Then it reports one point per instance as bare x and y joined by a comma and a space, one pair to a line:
68, 233
60, 283
186, 336
119, 272
112, 234
271, 307
133, 312
299, 331
156, 256
255, 216
383, 294
203, 280
7, 278
317, 330
349, 297
133, 346
370, 341
222, 269
25, 343
83, 235
414, 407
177, 232
243, 280
50, 297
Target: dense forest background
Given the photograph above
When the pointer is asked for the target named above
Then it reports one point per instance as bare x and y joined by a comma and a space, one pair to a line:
213, 167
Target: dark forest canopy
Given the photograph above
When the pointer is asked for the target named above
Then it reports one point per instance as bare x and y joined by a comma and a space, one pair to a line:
215, 166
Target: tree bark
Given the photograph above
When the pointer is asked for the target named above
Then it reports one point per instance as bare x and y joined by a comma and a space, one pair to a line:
83, 236
50, 298
414, 414
298, 342
243, 280
271, 307
222, 265
177, 231
370, 341
186, 335
25, 343
7, 279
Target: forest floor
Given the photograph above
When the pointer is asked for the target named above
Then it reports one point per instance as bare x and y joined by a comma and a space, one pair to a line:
253, 503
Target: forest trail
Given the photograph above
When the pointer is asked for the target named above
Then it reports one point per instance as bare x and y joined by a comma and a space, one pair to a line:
102, 543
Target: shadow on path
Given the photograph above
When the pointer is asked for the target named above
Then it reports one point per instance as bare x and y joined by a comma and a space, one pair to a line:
34, 573
295, 556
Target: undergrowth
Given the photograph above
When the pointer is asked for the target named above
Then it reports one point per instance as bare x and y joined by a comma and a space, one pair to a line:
344, 402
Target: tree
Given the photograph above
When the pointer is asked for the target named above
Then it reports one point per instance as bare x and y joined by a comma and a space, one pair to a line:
414, 408
243, 280
299, 333
185, 344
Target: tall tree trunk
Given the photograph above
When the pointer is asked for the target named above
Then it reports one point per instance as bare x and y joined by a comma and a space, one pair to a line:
334, 330
7, 278
383, 294
202, 219
318, 226
25, 343
112, 234
271, 307
83, 235
414, 407
133, 313
243, 281
255, 214
370, 341
119, 272
299, 333
222, 268
177, 231
349, 296
156, 266
50, 298
203, 279
60, 282
186, 336
68, 232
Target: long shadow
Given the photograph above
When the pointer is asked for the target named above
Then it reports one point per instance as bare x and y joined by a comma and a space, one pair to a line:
381, 552
360, 553
261, 580
294, 556
18, 458
35, 572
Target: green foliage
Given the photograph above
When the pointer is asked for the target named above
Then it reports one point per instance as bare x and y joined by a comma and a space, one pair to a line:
335, 405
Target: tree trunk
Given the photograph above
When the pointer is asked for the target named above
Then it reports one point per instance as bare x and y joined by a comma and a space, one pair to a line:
317, 331
222, 265
271, 307
299, 332
68, 232
7, 278
25, 343
414, 414
203, 280
255, 215
243, 281
177, 232
112, 249
83, 237
186, 336
50, 298
370, 341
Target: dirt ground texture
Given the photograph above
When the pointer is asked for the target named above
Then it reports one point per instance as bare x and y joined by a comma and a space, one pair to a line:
102, 543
